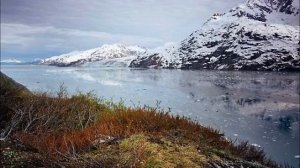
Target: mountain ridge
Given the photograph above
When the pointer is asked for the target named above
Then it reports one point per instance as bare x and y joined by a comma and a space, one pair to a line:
258, 35
251, 36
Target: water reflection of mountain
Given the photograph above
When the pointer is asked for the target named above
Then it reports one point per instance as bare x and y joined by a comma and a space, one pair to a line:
272, 97
283, 119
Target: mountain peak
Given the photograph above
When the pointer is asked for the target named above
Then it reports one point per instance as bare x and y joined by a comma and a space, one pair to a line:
115, 45
283, 6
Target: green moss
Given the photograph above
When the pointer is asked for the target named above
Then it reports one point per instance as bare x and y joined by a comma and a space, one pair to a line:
152, 164
139, 150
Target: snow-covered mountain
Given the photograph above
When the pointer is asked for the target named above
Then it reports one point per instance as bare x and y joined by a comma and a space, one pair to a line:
11, 61
106, 54
257, 35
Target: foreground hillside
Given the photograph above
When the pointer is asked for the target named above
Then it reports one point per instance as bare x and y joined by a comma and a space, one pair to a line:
41, 130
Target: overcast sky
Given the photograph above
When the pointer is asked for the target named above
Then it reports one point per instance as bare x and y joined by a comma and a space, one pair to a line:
41, 28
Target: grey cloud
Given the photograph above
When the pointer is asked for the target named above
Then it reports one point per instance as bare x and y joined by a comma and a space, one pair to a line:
115, 16
64, 38
61, 25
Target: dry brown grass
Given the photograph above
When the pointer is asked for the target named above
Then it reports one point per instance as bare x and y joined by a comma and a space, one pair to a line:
76, 122
62, 125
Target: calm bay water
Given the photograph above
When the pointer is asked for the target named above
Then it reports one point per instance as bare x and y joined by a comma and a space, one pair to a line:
261, 107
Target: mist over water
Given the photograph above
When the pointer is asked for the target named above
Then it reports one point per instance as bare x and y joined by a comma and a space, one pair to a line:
262, 107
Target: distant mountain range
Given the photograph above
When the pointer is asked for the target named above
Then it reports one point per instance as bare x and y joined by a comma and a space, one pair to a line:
10, 61
106, 52
258, 35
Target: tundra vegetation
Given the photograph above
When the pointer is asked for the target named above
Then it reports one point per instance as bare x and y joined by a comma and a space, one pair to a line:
46, 130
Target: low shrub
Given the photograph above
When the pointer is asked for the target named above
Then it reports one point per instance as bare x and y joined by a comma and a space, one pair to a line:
65, 125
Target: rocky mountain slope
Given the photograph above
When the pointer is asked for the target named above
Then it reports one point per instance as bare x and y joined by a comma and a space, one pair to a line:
114, 52
258, 35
